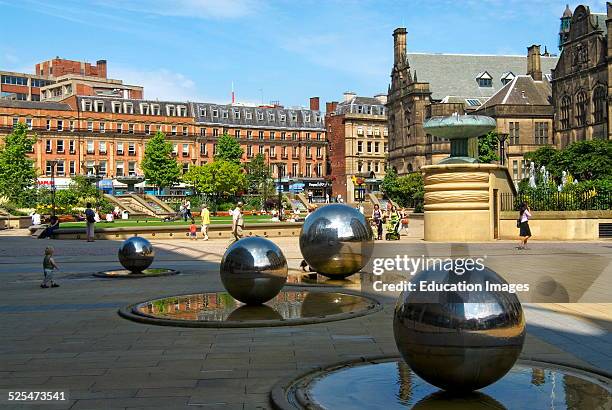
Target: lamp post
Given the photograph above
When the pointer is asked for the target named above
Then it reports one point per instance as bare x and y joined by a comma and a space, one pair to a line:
53, 164
96, 168
360, 189
280, 191
502, 137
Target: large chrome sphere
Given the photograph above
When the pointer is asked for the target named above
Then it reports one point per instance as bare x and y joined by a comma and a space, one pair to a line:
253, 270
136, 254
336, 241
459, 340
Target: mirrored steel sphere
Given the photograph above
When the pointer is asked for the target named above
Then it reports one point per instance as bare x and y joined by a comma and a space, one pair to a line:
459, 340
253, 270
136, 254
336, 241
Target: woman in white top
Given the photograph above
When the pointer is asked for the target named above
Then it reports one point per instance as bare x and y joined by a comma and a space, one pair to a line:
523, 225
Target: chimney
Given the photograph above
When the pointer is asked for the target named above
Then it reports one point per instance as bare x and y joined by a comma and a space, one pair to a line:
399, 46
382, 98
534, 68
349, 95
331, 107
101, 67
314, 103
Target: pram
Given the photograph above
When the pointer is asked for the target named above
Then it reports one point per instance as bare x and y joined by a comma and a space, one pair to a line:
392, 227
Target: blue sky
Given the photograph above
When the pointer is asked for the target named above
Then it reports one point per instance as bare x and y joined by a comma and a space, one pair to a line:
272, 50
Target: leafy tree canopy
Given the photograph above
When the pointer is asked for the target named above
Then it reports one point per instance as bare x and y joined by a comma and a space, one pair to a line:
407, 190
258, 173
228, 149
17, 172
218, 177
159, 165
487, 148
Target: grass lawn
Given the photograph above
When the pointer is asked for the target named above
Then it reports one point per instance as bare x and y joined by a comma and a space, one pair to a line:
156, 221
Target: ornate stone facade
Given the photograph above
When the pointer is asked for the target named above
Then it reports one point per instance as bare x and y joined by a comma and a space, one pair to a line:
582, 79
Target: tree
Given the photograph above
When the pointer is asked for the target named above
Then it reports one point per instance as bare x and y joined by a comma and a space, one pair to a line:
218, 177
389, 185
17, 172
228, 149
159, 165
487, 148
407, 190
258, 173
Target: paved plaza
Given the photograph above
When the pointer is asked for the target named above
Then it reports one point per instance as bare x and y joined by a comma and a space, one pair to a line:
71, 338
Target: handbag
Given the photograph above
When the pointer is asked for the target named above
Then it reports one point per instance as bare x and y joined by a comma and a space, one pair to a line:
518, 223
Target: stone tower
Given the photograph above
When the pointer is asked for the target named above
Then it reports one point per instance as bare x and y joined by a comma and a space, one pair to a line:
564, 29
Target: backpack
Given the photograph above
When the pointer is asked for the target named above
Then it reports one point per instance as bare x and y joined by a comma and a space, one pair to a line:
90, 216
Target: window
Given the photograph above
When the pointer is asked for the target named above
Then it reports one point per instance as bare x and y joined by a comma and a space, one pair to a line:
472, 102
566, 109
202, 112
260, 116
249, 150
514, 133
261, 135
236, 114
369, 147
119, 148
71, 146
128, 108
282, 117
293, 116
182, 111
237, 133
185, 150
215, 113
283, 136
102, 127
147, 129
60, 125
71, 126
48, 147
130, 128
370, 131
319, 152
59, 169
294, 136
185, 167
261, 149
90, 147
48, 123
249, 135
132, 168
524, 167
225, 114
86, 105
155, 110
102, 167
203, 132
71, 168
270, 116
308, 170
359, 130
170, 111
119, 127
485, 82
319, 170
599, 104
60, 146
273, 151
116, 107
215, 132
144, 109
98, 106
581, 102
284, 153
185, 131
119, 169
307, 117
318, 136
515, 175
102, 147
308, 153
541, 133
173, 130
131, 148
11, 79
90, 126
359, 146
377, 147
294, 169
307, 136
272, 135
203, 150
296, 152
248, 115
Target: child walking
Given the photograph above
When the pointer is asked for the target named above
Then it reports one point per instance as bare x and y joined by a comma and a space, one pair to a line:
49, 266
193, 230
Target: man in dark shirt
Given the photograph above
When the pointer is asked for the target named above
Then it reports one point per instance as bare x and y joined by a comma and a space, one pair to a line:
90, 218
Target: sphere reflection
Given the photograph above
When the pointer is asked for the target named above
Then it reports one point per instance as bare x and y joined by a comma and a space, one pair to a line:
136, 254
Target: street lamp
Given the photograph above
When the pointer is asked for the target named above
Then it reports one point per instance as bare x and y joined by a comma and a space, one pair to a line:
96, 168
52, 164
502, 137
279, 166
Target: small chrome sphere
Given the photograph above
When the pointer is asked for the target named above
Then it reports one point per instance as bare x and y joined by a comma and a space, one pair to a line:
136, 254
459, 339
336, 241
253, 270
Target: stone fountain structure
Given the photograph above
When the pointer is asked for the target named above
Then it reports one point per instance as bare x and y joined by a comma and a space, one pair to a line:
462, 195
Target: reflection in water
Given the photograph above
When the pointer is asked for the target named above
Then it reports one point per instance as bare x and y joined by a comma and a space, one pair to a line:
220, 306
392, 385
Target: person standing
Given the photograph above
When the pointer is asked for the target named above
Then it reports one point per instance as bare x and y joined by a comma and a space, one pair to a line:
523, 225
205, 214
188, 209
327, 197
377, 217
193, 230
310, 196
237, 221
90, 218
404, 221
49, 266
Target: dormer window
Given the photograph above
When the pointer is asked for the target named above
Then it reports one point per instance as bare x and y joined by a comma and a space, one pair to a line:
128, 108
215, 113
99, 106
260, 116
282, 117
307, 117
293, 117
236, 114
507, 77
472, 102
170, 110
86, 105
248, 115
155, 109
181, 111
271, 116
225, 114
202, 112
144, 109
484, 79
116, 107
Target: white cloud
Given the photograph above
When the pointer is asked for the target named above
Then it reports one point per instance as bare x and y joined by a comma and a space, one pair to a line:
204, 9
160, 84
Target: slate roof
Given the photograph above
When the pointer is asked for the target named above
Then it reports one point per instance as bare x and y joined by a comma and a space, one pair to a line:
352, 106
523, 90
455, 74
599, 20
35, 105
108, 101
294, 118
